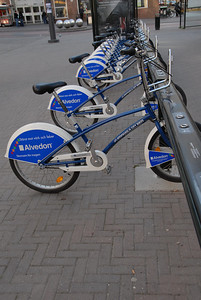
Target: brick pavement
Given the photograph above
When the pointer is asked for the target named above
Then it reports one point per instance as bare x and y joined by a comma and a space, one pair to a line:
100, 239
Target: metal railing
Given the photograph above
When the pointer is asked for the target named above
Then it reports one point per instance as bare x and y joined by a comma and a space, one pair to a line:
185, 139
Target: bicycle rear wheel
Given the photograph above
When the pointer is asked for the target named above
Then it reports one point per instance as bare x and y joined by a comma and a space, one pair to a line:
86, 82
61, 120
167, 170
47, 179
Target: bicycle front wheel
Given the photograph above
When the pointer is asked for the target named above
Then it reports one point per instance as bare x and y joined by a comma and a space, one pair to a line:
167, 170
47, 179
61, 120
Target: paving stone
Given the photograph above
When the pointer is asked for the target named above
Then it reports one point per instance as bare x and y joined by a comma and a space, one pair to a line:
102, 238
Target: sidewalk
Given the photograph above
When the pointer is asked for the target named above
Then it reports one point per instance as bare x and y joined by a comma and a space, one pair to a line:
105, 237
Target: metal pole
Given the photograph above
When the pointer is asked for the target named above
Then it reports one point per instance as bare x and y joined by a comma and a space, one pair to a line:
135, 10
180, 14
185, 14
94, 18
51, 22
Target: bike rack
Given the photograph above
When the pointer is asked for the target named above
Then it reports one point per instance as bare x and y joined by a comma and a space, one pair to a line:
185, 139
166, 80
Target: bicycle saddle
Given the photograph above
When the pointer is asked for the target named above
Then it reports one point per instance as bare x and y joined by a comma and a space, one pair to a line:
97, 43
43, 88
131, 51
104, 35
98, 37
78, 58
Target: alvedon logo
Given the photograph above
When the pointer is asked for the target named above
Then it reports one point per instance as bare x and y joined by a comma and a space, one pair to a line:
35, 147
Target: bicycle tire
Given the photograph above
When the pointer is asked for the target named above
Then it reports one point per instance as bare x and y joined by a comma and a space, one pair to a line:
172, 14
168, 170
86, 84
45, 180
60, 119
181, 92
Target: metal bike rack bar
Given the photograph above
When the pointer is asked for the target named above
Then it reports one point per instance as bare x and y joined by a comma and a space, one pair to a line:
185, 139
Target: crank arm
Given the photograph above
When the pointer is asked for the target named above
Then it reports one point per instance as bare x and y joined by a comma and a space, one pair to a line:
91, 164
116, 77
107, 111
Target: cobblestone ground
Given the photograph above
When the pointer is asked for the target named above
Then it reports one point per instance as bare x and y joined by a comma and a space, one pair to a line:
100, 239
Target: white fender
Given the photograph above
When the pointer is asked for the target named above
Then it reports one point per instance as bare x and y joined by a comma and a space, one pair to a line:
162, 156
93, 66
35, 141
72, 96
97, 57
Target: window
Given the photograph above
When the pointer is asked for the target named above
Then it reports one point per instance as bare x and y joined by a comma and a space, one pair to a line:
60, 8
27, 9
35, 9
29, 19
142, 3
37, 19
20, 9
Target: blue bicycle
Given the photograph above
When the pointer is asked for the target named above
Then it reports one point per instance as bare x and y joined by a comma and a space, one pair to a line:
87, 107
48, 159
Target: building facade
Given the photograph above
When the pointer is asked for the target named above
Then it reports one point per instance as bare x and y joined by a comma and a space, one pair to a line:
62, 9
32, 9
147, 8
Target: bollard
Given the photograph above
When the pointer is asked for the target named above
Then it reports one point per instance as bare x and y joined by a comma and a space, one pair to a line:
157, 22
51, 23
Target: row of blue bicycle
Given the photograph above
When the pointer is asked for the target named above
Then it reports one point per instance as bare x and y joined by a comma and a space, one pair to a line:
48, 158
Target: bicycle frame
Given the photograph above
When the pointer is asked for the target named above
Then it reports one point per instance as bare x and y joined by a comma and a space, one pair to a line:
127, 92
150, 115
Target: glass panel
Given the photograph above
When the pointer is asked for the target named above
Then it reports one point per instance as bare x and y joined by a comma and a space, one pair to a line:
35, 9
29, 19
37, 19
110, 12
20, 9
3, 12
27, 9
140, 3
61, 12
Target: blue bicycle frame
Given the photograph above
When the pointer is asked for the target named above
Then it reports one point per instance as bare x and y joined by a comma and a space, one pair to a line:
150, 115
100, 92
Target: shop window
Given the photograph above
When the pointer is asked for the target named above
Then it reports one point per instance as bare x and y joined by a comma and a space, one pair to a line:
60, 8
60, 12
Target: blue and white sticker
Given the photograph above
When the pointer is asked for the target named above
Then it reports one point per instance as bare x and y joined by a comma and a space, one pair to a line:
157, 157
34, 145
72, 96
94, 67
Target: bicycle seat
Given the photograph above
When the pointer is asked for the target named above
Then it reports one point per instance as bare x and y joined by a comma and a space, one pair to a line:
130, 36
98, 37
111, 30
104, 35
131, 51
78, 58
42, 88
97, 43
